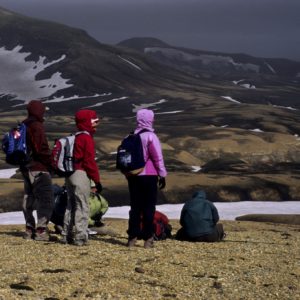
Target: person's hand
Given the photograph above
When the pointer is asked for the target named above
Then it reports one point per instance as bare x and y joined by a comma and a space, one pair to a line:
98, 187
162, 183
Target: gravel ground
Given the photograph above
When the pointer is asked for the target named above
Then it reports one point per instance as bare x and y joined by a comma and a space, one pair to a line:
256, 261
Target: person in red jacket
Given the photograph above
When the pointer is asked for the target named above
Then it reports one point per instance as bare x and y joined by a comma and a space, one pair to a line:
79, 183
38, 192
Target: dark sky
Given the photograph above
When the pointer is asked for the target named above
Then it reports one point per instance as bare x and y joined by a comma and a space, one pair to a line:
266, 28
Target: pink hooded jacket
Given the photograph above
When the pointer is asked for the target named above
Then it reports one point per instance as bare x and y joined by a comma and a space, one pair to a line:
151, 145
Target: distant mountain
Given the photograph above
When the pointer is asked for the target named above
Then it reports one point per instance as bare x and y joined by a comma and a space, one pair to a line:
55, 62
242, 77
218, 64
47, 60
58, 60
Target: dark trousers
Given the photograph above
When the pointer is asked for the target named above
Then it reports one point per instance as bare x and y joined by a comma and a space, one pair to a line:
38, 194
143, 197
216, 236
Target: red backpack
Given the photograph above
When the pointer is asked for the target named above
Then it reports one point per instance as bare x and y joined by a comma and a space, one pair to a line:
162, 228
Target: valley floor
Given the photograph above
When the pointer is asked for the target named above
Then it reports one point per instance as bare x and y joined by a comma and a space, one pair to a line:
256, 261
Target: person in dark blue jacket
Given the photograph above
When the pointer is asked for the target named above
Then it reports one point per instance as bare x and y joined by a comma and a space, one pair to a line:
199, 218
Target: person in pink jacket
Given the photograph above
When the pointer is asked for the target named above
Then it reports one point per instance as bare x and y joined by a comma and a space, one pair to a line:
143, 187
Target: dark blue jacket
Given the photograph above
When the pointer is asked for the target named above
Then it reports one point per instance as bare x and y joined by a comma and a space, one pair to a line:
198, 216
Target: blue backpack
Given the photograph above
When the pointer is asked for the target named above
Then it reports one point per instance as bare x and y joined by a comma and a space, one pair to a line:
14, 146
130, 156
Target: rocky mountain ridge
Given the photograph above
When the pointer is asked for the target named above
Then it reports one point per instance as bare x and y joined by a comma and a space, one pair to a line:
218, 64
90, 66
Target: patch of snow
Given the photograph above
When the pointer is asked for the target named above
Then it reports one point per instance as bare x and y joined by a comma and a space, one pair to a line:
147, 105
196, 168
238, 81
132, 64
19, 79
75, 97
230, 99
270, 67
248, 86
63, 99
12, 218
227, 211
7, 173
224, 126
285, 107
109, 101
297, 137
205, 59
256, 130
169, 112
245, 85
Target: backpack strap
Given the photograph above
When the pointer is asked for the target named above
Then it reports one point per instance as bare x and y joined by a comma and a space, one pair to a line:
80, 132
143, 130
140, 132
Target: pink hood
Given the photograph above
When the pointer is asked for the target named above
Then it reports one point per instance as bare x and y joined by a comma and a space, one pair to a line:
151, 144
145, 119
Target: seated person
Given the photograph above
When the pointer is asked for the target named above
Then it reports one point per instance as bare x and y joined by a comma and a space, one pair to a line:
98, 207
199, 219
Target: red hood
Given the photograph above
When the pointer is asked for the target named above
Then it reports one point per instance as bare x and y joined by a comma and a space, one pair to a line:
84, 118
36, 109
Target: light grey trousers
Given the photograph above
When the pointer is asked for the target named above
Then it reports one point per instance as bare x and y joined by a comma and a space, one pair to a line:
77, 213
38, 194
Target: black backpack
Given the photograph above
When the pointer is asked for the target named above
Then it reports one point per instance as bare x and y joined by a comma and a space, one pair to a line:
60, 204
130, 155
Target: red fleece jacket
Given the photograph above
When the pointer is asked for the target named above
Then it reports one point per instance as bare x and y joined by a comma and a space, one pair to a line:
84, 147
36, 138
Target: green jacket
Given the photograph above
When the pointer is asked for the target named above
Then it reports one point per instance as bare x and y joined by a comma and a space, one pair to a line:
198, 216
98, 207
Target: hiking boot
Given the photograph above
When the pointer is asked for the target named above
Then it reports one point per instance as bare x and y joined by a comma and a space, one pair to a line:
63, 240
99, 224
66, 240
131, 242
223, 236
80, 243
58, 229
149, 243
29, 233
42, 234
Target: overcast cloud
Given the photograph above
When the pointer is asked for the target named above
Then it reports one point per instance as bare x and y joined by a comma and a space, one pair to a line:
266, 28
